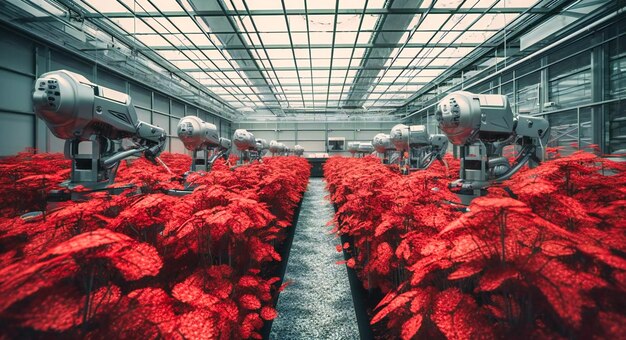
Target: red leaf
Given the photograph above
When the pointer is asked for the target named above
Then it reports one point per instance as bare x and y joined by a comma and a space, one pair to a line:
466, 270
411, 327
249, 301
397, 302
268, 313
494, 278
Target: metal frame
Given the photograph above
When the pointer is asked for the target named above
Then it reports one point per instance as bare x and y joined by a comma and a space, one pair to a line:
253, 80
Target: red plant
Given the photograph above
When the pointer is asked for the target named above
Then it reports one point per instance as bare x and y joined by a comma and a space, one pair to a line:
548, 264
151, 265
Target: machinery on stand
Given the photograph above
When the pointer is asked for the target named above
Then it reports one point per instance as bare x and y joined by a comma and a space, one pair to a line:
277, 148
385, 149
298, 150
482, 125
76, 110
365, 149
246, 146
419, 148
353, 148
202, 139
262, 147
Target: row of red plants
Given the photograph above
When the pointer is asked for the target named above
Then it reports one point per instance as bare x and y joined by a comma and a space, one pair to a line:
541, 256
145, 265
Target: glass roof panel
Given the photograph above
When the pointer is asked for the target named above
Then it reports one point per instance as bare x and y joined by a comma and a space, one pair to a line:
262, 4
266, 60
139, 6
321, 4
270, 23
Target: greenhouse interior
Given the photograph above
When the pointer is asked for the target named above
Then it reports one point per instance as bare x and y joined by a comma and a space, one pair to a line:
312, 169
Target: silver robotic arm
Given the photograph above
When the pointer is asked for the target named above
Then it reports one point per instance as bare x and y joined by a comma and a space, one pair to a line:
245, 143
482, 125
298, 150
200, 136
77, 110
422, 147
383, 145
353, 147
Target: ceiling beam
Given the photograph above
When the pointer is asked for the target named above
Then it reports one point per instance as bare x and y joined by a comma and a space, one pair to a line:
279, 12
382, 45
305, 46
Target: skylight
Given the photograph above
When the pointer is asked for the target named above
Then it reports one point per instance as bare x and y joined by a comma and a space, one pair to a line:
305, 54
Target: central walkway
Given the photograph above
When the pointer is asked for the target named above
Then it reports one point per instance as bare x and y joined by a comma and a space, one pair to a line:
318, 304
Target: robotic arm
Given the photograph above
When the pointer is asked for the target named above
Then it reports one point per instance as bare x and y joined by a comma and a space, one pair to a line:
298, 150
262, 147
383, 145
353, 147
422, 147
198, 135
245, 143
482, 125
77, 110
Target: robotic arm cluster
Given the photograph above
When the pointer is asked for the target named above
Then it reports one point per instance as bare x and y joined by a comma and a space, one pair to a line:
482, 125
198, 135
423, 148
77, 110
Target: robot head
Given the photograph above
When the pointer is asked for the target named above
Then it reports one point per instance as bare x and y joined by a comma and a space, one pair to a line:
298, 150
244, 140
282, 147
74, 108
382, 143
405, 137
262, 146
365, 148
225, 143
353, 147
398, 135
274, 147
466, 117
196, 133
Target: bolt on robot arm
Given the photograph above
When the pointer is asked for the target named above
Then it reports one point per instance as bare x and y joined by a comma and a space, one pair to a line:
482, 125
200, 136
422, 147
77, 110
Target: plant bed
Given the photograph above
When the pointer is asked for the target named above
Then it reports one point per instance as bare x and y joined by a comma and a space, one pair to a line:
541, 256
149, 265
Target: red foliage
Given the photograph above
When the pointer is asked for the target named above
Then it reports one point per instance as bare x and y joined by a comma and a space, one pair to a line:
145, 265
548, 263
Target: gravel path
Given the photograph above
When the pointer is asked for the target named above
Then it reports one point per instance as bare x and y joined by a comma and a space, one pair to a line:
318, 304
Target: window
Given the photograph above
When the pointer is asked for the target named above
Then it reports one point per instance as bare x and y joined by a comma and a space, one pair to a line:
570, 81
617, 68
527, 99
564, 131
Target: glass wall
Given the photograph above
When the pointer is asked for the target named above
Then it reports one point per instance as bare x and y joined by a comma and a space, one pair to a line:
580, 87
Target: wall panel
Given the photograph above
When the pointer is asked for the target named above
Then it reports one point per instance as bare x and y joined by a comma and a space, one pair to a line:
16, 92
16, 132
